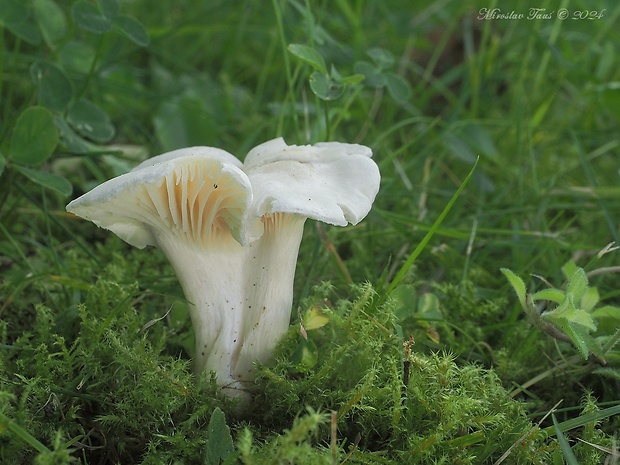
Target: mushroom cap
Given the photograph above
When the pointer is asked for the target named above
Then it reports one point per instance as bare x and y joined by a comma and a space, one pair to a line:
201, 193
197, 193
331, 182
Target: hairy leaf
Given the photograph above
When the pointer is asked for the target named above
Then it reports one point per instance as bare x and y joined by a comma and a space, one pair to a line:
219, 441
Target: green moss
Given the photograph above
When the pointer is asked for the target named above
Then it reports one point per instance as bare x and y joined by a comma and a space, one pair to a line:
108, 383
446, 410
110, 392
102, 377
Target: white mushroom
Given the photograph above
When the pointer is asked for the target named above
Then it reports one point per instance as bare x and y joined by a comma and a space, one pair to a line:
232, 232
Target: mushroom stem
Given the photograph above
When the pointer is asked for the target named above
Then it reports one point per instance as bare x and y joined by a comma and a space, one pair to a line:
240, 298
269, 283
213, 283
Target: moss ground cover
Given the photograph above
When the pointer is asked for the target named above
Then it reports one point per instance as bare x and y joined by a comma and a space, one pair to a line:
471, 318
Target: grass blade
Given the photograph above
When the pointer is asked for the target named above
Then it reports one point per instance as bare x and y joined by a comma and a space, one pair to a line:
431, 232
585, 419
7, 423
567, 452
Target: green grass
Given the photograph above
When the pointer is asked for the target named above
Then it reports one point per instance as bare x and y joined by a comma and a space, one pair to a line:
86, 374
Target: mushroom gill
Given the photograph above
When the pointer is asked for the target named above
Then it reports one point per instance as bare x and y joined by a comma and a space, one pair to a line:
196, 201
